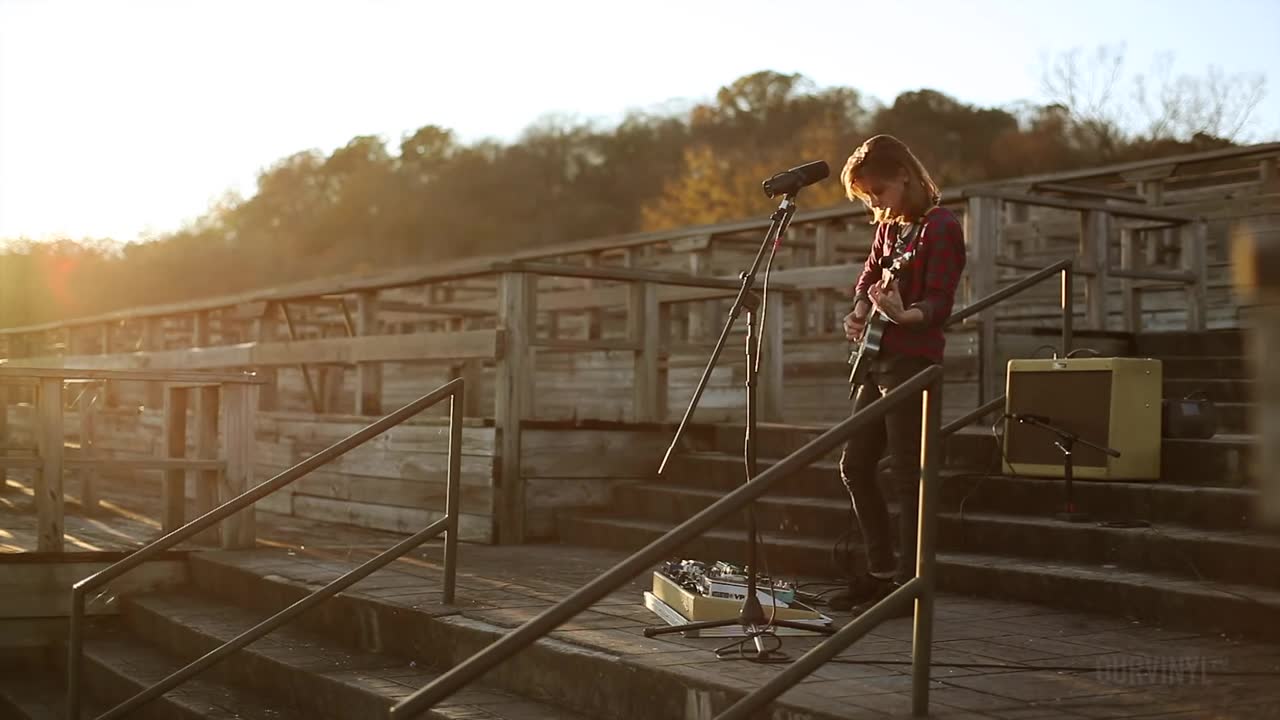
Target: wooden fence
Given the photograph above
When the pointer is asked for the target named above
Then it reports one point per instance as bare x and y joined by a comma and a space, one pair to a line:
618, 330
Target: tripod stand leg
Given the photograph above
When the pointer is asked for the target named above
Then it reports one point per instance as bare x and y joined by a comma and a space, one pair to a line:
1069, 512
703, 625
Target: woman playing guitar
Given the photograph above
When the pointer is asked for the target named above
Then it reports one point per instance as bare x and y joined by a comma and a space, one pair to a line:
926, 243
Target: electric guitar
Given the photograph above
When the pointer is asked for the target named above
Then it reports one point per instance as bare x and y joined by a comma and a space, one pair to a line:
863, 356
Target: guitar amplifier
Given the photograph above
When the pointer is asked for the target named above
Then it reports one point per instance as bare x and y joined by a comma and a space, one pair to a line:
1113, 402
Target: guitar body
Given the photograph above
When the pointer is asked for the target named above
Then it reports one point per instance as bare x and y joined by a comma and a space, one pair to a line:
864, 356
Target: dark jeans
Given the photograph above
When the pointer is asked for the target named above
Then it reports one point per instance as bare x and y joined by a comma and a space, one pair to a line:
899, 433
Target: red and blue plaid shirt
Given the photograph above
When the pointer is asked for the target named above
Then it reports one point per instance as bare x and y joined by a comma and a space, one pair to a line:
928, 281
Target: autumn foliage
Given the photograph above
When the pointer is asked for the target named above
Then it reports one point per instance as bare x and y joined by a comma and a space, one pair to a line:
429, 197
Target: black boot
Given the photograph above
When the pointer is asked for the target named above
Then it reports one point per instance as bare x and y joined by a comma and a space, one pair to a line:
862, 588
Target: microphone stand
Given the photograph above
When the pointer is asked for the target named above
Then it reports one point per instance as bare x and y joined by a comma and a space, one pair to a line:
1066, 443
751, 615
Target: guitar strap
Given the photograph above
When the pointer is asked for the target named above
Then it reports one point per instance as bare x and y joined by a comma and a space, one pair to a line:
902, 242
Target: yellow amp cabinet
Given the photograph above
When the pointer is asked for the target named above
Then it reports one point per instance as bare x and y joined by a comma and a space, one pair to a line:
1113, 402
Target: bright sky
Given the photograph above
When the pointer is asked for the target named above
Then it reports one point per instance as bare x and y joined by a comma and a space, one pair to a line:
129, 117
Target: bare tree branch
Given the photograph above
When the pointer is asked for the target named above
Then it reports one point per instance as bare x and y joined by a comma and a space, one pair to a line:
1161, 105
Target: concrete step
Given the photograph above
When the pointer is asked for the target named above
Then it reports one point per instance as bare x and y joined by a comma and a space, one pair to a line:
118, 666
1225, 460
1145, 596
1210, 342
39, 694
1240, 556
576, 675
303, 669
1157, 502
1222, 461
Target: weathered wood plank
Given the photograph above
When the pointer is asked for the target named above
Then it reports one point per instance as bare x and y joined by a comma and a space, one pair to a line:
173, 502
982, 236
16, 370
513, 396
206, 448
471, 528
237, 410
476, 499
577, 453
49, 497
90, 400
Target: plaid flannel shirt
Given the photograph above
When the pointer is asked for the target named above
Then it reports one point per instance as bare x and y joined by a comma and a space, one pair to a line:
928, 281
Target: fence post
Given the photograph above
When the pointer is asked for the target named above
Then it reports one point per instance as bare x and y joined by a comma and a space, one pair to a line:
5, 396
173, 492
1130, 293
206, 481
50, 509
644, 326
238, 439
1255, 264
982, 236
1095, 233
1195, 236
369, 374
769, 381
513, 387
88, 407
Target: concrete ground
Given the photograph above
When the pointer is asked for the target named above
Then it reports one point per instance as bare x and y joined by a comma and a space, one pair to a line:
992, 659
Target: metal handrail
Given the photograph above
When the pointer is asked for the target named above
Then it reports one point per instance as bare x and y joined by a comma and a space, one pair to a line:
449, 525
1065, 266
928, 380
920, 587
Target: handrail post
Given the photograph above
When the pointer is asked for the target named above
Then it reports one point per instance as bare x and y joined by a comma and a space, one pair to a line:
550, 619
453, 492
1068, 303
244, 503
926, 547
75, 654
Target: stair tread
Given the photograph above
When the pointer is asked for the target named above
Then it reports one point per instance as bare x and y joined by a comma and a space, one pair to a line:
1108, 573
1114, 574
1172, 531
370, 672
40, 695
144, 666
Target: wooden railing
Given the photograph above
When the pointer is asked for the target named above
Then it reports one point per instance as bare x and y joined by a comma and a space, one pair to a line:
488, 321
818, 238
231, 395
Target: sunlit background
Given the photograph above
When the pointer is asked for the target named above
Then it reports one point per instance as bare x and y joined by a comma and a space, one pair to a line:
155, 152
126, 119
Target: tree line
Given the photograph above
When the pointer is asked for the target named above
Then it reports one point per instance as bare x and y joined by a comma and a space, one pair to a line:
368, 205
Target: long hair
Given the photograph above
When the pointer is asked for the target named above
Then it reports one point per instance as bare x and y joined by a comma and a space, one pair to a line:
884, 158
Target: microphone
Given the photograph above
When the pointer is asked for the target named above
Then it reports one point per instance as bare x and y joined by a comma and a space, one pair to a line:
790, 181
